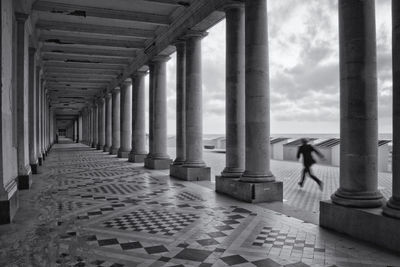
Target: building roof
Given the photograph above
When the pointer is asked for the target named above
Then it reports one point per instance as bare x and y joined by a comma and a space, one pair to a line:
331, 142
277, 140
383, 142
297, 142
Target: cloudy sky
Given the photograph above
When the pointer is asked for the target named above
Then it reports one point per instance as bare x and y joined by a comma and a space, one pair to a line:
304, 69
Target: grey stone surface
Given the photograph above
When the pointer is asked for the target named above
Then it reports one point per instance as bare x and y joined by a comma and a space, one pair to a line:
365, 224
250, 192
126, 118
157, 164
190, 173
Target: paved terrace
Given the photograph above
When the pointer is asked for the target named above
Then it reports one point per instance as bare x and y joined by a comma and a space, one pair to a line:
88, 208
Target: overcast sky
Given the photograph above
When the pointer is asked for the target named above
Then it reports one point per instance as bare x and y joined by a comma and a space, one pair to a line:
304, 69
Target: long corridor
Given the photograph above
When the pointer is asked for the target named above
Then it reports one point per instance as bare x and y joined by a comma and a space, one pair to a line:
88, 208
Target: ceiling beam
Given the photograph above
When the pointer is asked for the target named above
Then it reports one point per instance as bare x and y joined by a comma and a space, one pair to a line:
78, 40
82, 58
92, 28
97, 66
77, 76
62, 48
70, 80
86, 11
185, 3
69, 70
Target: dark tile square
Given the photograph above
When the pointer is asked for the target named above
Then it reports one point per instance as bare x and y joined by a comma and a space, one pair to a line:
297, 264
241, 210
319, 249
205, 265
216, 234
183, 245
223, 227
219, 250
193, 254
164, 259
207, 242
91, 238
266, 263
156, 249
131, 245
117, 265
234, 259
108, 242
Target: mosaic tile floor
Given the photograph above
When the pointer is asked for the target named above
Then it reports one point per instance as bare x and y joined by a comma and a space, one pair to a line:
88, 208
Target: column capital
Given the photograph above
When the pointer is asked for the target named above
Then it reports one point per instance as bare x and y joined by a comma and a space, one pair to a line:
108, 95
116, 90
21, 17
139, 73
179, 42
195, 34
160, 58
238, 4
126, 82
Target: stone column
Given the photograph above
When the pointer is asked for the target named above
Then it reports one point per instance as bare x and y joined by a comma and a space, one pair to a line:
108, 118
37, 116
180, 108
95, 124
159, 157
358, 106
24, 169
126, 119
116, 132
194, 167
392, 207
180, 102
90, 126
151, 109
78, 137
33, 159
101, 124
42, 118
138, 152
235, 91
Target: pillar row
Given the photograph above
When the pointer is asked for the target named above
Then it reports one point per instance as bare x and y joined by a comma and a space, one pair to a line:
138, 152
95, 125
33, 157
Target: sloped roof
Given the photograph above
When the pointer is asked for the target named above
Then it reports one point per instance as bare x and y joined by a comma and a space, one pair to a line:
278, 140
383, 142
329, 143
297, 142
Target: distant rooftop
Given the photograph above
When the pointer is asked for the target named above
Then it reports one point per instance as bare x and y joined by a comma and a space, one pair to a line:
278, 140
298, 142
329, 143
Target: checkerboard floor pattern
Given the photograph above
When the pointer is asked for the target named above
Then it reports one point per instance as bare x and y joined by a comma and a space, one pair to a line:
152, 221
277, 238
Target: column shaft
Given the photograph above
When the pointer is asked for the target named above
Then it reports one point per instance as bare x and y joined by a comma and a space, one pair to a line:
138, 152
108, 118
116, 132
24, 168
235, 91
33, 159
37, 116
180, 103
358, 106
95, 125
151, 109
193, 105
393, 205
257, 94
101, 124
126, 119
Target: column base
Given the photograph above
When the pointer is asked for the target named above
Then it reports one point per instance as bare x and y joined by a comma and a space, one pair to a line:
365, 224
35, 168
137, 158
392, 208
9, 207
190, 174
358, 200
93, 145
114, 151
106, 149
157, 164
99, 147
24, 181
40, 160
232, 172
250, 192
123, 154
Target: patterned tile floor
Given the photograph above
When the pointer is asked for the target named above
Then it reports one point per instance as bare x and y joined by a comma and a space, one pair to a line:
87, 208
